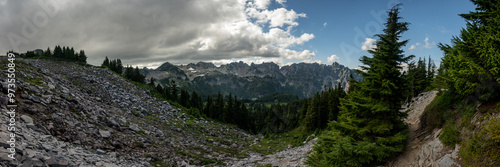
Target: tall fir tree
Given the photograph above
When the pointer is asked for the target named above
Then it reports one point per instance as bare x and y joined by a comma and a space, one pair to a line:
370, 127
472, 63
82, 57
105, 63
119, 66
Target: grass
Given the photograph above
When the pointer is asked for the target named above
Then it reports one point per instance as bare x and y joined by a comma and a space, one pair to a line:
162, 163
450, 135
199, 157
436, 113
277, 142
483, 148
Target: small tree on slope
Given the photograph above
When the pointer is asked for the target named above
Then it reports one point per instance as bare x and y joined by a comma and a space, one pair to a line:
370, 127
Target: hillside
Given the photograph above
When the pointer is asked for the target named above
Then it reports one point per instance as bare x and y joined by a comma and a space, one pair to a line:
255, 80
72, 115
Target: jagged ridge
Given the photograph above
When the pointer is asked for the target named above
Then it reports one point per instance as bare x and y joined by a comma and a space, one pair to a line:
255, 80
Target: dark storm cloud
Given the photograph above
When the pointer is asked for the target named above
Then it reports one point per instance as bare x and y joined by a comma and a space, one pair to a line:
142, 32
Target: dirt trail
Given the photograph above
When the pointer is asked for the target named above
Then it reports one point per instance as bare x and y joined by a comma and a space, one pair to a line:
416, 108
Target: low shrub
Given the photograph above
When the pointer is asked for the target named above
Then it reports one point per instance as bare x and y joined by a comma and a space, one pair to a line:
450, 135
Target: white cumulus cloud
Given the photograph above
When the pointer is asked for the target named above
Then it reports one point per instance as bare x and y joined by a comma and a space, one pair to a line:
368, 44
426, 45
332, 58
414, 46
282, 2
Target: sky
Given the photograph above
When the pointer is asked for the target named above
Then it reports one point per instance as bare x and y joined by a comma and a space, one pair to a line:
150, 32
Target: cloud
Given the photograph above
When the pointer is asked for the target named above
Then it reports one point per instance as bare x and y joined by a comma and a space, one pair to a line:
368, 44
414, 46
325, 24
148, 32
282, 2
332, 58
426, 45
275, 18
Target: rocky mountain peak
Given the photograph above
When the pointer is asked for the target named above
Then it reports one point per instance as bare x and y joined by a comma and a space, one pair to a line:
239, 78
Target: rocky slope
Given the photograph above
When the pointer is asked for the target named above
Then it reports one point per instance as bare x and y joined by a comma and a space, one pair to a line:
424, 149
74, 115
290, 157
255, 80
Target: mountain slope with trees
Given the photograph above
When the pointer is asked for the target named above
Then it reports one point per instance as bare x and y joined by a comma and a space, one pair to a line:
253, 81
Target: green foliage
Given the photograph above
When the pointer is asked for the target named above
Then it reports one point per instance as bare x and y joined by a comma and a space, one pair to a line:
272, 143
370, 128
434, 113
482, 149
493, 130
194, 112
278, 97
472, 62
419, 77
450, 135
65, 53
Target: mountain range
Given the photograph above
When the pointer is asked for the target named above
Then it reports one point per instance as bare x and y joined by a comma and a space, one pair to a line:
255, 80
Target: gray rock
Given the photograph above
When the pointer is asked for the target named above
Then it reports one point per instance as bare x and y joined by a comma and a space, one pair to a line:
5, 157
24, 96
109, 165
4, 137
134, 127
47, 98
27, 119
35, 99
50, 85
36, 162
57, 163
104, 133
100, 152
4, 100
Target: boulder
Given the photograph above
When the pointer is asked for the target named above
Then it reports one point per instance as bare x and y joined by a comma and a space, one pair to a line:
27, 119
104, 133
100, 152
134, 127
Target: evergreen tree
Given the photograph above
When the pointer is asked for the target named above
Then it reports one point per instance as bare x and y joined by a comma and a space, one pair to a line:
105, 63
472, 63
173, 91
352, 84
218, 107
184, 99
311, 119
58, 52
208, 110
129, 72
228, 109
370, 128
82, 57
151, 82
195, 101
112, 67
138, 77
119, 66
47, 53
159, 88
72, 55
